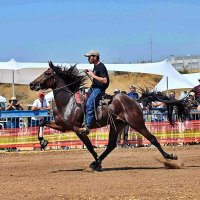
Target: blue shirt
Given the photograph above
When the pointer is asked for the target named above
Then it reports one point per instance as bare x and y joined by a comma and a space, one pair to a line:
133, 95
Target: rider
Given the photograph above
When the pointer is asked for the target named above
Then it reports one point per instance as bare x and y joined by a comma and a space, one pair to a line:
100, 83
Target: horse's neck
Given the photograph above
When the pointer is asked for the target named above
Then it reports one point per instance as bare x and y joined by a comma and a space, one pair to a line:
62, 99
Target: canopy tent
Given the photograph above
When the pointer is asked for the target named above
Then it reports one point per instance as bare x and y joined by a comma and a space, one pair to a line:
172, 79
170, 83
20, 73
193, 78
24, 73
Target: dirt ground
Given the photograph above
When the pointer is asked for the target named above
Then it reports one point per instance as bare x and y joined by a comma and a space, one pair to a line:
127, 174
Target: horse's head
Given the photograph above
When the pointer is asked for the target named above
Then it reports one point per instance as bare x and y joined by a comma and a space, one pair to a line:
45, 80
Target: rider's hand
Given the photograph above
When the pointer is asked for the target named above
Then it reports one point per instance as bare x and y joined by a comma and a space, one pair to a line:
90, 73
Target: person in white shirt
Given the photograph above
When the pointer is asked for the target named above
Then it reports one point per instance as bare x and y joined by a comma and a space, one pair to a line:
39, 104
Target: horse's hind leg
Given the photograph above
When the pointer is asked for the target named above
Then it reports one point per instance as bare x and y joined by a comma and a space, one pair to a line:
112, 141
141, 128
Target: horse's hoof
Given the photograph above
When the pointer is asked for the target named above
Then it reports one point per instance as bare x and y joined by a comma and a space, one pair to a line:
98, 168
173, 157
95, 166
43, 144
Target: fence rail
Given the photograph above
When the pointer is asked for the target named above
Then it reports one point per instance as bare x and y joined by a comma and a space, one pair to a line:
24, 133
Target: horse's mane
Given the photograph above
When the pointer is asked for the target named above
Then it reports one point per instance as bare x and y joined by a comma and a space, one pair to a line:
72, 77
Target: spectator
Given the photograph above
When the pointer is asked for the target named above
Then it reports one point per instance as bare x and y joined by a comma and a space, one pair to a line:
116, 91
14, 105
196, 90
159, 109
2, 105
123, 92
40, 104
172, 95
133, 94
193, 104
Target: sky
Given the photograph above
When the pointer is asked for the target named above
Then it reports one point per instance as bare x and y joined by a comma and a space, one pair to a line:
121, 30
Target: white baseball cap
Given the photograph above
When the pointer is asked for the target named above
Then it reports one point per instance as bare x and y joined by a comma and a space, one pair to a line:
92, 53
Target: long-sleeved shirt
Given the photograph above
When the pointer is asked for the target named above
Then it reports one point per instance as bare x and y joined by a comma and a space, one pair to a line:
133, 95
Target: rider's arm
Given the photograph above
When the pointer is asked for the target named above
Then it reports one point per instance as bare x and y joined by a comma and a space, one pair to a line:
100, 79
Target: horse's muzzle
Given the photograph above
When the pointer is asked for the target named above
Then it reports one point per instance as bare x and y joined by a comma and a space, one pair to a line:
35, 87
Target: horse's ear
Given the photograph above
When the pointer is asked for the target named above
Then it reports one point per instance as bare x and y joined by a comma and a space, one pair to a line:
51, 65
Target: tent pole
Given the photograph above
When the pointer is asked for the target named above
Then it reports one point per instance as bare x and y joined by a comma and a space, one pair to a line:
13, 84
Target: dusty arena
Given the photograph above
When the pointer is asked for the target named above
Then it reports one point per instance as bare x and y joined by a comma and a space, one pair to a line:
127, 174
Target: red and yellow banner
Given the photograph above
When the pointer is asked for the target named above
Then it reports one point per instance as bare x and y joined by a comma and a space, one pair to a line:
166, 134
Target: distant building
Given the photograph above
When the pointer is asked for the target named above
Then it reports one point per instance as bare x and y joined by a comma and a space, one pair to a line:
190, 63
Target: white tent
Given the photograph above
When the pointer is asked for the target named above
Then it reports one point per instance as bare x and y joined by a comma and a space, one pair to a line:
24, 73
172, 79
20, 73
170, 83
193, 78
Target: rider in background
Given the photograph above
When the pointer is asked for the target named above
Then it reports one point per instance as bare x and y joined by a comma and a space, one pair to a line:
100, 83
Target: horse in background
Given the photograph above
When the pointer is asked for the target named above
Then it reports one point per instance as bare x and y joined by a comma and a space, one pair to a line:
182, 107
122, 111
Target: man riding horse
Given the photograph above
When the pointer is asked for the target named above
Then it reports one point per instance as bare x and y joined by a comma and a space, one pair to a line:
99, 84
69, 116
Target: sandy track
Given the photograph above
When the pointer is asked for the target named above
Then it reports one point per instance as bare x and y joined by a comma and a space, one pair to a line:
127, 174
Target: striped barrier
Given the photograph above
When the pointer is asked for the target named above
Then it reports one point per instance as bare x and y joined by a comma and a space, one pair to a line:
26, 137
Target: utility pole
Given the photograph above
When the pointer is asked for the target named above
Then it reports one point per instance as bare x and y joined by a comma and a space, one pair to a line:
150, 35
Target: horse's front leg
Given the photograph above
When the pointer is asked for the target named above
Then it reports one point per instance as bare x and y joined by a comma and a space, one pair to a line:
50, 124
96, 165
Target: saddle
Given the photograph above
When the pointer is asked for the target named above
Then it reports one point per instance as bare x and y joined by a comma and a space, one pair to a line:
82, 96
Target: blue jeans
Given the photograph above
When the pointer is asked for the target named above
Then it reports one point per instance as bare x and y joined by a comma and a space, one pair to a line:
91, 105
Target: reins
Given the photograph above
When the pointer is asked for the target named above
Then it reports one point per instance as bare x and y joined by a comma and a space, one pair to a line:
68, 84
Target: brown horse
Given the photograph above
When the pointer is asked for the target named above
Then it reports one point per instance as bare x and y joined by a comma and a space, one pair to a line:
69, 116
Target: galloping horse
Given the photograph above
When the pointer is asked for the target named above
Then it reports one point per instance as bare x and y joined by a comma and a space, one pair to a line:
69, 116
